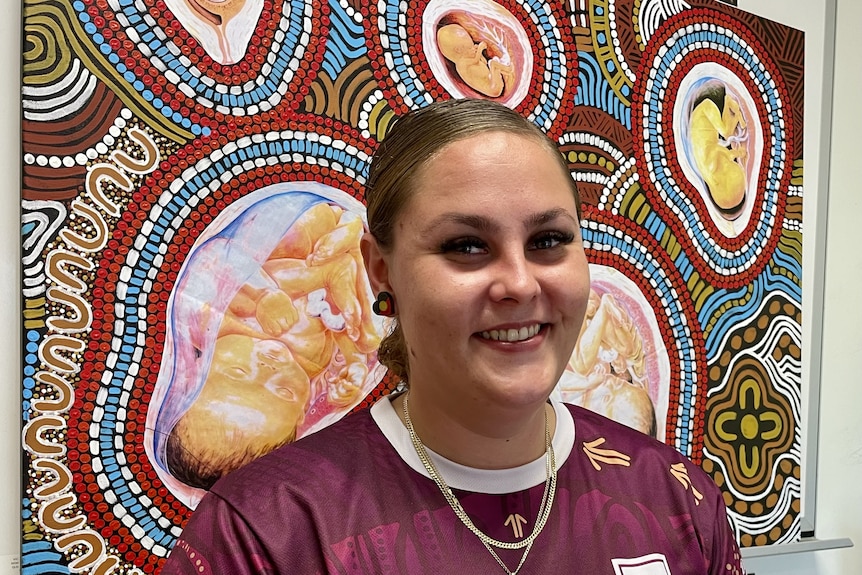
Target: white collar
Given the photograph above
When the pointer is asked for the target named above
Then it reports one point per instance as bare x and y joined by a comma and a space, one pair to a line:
459, 476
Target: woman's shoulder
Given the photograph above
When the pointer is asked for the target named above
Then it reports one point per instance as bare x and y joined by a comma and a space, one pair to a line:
607, 445
591, 426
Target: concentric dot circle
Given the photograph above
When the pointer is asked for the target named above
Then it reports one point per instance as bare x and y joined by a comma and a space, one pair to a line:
681, 43
167, 214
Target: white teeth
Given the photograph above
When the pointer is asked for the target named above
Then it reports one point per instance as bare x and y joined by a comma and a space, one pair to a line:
512, 335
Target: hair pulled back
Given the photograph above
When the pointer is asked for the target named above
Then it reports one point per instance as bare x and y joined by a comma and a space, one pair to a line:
411, 143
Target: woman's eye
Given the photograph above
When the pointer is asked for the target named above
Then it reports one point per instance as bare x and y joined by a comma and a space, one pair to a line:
464, 246
549, 240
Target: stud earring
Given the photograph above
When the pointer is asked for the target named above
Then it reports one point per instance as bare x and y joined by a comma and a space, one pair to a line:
384, 305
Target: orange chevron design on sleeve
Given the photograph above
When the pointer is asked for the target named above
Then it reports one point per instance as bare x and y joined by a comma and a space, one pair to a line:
608, 456
679, 471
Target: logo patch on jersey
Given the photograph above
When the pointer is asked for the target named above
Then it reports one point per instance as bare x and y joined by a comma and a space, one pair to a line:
652, 564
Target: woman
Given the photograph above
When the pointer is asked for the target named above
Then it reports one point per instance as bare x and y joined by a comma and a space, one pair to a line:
475, 248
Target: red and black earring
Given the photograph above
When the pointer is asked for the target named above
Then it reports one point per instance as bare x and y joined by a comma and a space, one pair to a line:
384, 305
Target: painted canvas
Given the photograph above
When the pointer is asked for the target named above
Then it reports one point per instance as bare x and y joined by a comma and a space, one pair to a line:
192, 202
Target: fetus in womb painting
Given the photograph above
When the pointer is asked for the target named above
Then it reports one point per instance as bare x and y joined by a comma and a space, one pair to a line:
719, 143
270, 334
619, 367
478, 49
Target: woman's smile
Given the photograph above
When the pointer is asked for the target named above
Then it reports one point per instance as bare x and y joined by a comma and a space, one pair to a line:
512, 334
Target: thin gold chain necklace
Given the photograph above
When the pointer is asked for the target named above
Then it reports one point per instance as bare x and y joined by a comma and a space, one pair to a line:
489, 542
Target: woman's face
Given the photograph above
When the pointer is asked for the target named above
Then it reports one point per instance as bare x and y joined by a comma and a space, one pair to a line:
488, 272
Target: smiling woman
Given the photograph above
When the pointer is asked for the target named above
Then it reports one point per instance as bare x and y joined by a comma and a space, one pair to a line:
474, 244
488, 242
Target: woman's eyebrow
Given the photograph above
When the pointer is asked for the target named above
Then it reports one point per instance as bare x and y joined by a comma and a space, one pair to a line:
485, 224
542, 218
480, 223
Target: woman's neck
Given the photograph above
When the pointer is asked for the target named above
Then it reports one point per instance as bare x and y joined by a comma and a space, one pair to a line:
479, 436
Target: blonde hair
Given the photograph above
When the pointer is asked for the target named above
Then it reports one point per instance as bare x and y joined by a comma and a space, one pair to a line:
412, 142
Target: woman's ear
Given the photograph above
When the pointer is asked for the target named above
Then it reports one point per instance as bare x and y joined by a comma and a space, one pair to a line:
376, 263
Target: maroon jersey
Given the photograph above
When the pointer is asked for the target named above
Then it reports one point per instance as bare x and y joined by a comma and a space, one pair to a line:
355, 499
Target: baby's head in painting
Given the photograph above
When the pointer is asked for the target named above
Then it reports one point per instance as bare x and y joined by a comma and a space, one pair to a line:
254, 398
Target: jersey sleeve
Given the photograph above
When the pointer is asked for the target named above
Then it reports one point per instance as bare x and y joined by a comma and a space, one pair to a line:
217, 540
726, 558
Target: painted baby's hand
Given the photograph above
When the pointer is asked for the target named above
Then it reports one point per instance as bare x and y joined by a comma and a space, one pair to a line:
276, 313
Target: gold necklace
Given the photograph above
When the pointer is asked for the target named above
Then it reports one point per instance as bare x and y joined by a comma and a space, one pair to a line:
489, 542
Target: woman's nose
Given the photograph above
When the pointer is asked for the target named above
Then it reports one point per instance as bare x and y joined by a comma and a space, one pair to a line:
514, 277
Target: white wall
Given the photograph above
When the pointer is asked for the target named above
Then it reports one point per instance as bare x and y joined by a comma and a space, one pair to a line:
839, 495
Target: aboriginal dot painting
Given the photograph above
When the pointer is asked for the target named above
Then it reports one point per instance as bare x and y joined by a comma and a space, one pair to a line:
192, 203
